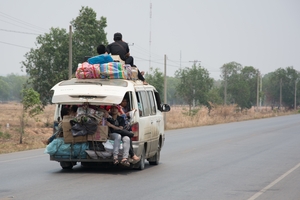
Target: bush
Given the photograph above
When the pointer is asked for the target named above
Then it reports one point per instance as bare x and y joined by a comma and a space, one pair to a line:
5, 135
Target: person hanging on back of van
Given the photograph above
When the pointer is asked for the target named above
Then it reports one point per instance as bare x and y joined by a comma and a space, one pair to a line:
117, 122
64, 111
102, 58
121, 48
124, 111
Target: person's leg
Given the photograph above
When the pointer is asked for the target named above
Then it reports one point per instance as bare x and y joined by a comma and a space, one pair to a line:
129, 60
126, 147
116, 137
51, 138
140, 76
131, 152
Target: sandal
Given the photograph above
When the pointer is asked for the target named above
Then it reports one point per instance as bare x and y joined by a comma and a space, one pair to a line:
116, 161
125, 163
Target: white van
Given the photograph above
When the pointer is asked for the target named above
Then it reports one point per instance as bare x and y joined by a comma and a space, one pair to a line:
147, 122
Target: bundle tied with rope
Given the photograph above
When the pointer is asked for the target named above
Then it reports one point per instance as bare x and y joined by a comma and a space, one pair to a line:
84, 125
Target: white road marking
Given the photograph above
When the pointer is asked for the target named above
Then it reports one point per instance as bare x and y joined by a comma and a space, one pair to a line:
255, 196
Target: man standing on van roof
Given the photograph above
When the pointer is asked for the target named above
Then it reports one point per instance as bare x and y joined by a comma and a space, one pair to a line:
121, 48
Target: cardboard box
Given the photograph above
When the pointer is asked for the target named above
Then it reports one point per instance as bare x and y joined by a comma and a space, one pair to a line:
68, 137
100, 135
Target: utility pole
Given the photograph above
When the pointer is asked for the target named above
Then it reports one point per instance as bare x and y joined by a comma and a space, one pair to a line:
260, 91
70, 51
165, 89
225, 87
295, 102
280, 97
257, 91
195, 63
150, 67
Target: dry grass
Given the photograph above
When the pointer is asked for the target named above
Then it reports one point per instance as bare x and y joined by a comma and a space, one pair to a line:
36, 132
178, 116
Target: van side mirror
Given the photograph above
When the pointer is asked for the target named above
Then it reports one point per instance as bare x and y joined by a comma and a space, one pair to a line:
165, 108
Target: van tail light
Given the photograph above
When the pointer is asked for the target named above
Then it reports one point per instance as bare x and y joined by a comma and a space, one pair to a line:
135, 130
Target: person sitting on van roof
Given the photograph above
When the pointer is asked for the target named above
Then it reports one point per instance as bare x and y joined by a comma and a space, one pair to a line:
121, 48
102, 58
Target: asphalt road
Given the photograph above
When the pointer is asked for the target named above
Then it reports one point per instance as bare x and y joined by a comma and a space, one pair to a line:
257, 159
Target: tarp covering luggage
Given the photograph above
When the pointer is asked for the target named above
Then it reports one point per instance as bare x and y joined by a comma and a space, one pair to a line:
59, 149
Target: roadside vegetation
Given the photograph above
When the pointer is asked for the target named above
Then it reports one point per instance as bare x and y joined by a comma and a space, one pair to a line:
37, 131
241, 93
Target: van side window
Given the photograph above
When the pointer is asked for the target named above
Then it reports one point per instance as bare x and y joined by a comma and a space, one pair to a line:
152, 103
143, 103
139, 104
158, 101
128, 97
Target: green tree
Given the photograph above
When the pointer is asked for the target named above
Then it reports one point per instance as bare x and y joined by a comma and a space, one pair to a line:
47, 64
194, 85
250, 75
32, 106
214, 96
172, 97
268, 91
156, 79
228, 71
4, 89
16, 84
241, 84
284, 79
88, 34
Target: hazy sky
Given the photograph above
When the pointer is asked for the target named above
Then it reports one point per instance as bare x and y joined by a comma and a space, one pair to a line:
264, 34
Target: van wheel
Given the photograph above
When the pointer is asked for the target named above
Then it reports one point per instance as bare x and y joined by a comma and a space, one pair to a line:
154, 160
66, 165
141, 164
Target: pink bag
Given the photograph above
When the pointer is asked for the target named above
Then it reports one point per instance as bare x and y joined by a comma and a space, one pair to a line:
87, 71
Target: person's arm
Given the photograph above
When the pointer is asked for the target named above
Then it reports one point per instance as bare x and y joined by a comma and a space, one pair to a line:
113, 126
121, 121
127, 50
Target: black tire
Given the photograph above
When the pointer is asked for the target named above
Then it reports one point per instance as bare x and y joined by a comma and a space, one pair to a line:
141, 164
66, 165
155, 159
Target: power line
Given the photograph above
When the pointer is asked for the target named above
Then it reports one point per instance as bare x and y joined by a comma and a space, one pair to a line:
21, 21
15, 45
18, 32
18, 25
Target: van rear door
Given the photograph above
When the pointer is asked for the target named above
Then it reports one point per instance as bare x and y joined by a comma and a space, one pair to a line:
92, 91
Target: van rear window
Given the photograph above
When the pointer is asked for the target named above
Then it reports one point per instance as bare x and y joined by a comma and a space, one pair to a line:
111, 82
